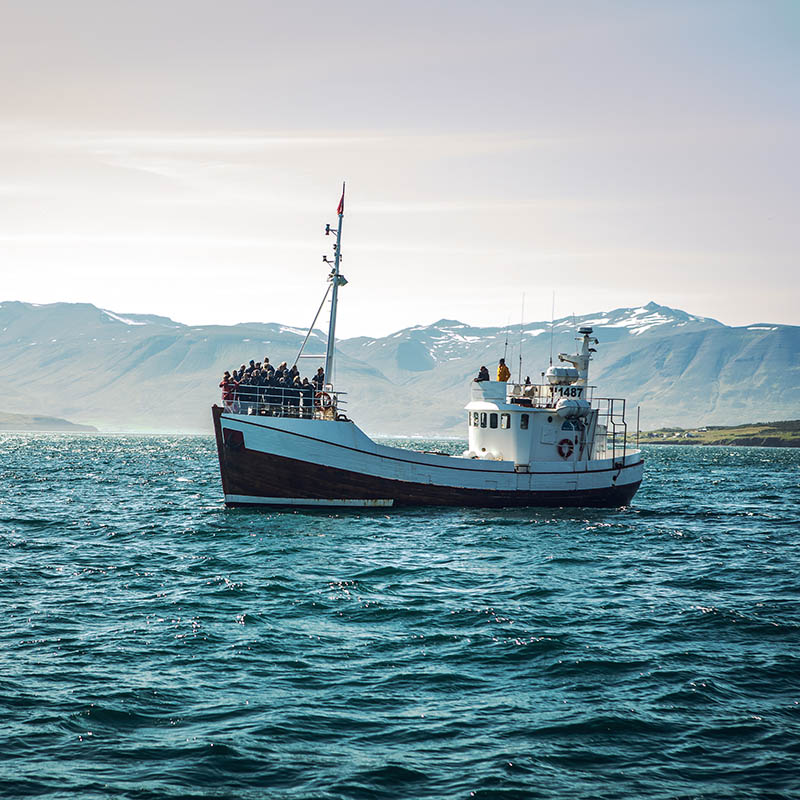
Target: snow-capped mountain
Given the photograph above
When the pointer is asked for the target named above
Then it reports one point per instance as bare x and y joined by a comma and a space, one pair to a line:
123, 371
427, 347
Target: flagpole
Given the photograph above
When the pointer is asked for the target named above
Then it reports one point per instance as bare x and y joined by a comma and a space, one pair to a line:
336, 280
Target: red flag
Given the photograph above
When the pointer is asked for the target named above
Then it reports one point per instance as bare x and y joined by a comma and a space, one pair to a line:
340, 209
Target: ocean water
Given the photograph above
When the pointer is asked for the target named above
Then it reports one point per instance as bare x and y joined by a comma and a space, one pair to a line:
155, 645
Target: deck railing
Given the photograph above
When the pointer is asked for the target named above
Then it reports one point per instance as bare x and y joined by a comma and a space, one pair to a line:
611, 420
608, 434
545, 395
271, 401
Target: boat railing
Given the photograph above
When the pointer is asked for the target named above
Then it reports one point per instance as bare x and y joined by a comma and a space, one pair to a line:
611, 421
271, 402
610, 433
545, 395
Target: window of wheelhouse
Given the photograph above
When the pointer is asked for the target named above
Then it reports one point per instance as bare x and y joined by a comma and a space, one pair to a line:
523, 421
472, 418
492, 420
483, 419
505, 421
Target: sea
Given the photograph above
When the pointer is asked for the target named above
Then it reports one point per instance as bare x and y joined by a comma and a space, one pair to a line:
155, 645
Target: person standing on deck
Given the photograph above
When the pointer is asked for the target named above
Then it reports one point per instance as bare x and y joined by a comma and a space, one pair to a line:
279, 396
228, 386
503, 372
295, 393
268, 390
307, 395
257, 382
237, 377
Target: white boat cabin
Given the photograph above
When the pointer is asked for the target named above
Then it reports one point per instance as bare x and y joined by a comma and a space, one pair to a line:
557, 420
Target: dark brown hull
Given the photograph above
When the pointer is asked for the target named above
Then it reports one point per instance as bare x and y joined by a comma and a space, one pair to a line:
253, 474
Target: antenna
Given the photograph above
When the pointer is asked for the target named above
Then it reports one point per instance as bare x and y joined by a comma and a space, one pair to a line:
521, 326
505, 348
552, 323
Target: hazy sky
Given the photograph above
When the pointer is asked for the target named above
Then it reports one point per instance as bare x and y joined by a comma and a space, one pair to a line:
182, 157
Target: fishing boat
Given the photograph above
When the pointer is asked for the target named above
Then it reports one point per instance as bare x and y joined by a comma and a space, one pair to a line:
551, 443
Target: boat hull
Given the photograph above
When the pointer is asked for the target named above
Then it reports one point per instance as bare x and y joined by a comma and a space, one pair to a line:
348, 469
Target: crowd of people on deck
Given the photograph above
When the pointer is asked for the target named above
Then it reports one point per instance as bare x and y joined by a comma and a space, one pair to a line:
260, 388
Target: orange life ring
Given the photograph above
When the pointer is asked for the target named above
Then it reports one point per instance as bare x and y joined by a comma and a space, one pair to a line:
565, 448
324, 399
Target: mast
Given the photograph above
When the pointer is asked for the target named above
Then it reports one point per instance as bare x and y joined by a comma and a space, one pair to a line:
521, 326
336, 280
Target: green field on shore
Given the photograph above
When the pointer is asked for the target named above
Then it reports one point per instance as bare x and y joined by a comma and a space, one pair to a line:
764, 434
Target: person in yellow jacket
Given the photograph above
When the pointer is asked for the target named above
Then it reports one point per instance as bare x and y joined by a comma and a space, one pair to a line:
503, 373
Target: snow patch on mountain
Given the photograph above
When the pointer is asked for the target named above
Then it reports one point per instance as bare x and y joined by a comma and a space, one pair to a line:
123, 320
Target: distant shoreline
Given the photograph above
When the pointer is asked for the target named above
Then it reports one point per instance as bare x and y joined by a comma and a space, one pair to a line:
38, 423
731, 443
755, 434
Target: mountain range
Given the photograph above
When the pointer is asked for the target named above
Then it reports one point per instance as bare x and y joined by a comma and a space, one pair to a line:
139, 372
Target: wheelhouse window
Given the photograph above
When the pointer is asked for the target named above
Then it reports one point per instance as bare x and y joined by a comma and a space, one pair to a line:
483, 419
492, 420
472, 418
505, 421
523, 421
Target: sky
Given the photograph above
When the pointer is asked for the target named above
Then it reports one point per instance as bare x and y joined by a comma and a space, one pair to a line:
182, 158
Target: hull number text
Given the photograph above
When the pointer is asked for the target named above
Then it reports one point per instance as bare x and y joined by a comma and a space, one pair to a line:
566, 391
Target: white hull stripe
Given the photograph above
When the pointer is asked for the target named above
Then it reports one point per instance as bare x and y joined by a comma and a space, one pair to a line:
306, 501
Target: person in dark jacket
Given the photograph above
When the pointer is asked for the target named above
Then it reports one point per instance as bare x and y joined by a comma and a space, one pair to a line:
279, 396
307, 397
257, 383
483, 375
237, 377
294, 391
244, 393
319, 379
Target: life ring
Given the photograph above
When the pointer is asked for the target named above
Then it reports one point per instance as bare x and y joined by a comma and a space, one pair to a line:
324, 400
565, 448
